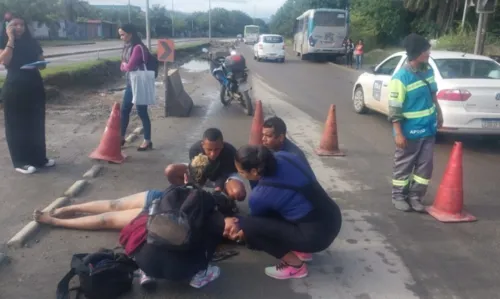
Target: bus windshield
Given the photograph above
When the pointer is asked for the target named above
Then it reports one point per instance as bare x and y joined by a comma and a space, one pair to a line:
330, 19
252, 30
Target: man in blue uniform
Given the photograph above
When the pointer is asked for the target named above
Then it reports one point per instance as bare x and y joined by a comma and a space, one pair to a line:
416, 116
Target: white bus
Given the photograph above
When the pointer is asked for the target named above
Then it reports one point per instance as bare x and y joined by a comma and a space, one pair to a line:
251, 34
321, 33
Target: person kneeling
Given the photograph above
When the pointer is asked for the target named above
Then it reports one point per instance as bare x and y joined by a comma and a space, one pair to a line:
181, 233
290, 212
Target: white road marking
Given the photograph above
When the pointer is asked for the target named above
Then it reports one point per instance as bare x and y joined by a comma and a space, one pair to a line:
360, 264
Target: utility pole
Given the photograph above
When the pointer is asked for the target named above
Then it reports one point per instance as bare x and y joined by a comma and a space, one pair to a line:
483, 9
464, 16
209, 20
129, 16
173, 20
148, 30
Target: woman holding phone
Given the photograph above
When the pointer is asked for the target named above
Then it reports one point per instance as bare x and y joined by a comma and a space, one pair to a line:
23, 96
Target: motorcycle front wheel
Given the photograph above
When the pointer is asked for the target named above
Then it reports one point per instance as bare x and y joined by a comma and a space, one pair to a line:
247, 103
223, 95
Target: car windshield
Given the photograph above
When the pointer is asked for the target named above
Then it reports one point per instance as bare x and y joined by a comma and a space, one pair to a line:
273, 39
467, 68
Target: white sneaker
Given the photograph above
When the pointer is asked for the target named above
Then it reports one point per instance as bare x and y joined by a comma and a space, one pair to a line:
50, 163
205, 277
146, 281
26, 169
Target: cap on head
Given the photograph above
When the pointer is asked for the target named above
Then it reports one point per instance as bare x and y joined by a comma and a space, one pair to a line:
415, 45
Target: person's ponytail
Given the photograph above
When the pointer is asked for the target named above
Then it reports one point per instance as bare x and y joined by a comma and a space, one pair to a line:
256, 157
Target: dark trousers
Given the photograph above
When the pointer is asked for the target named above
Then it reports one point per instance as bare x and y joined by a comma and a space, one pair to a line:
277, 236
24, 112
142, 111
349, 59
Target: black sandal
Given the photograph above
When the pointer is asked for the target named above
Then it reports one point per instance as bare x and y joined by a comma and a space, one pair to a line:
147, 148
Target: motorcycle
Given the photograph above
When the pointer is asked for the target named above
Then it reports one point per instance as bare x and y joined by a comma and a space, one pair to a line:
234, 85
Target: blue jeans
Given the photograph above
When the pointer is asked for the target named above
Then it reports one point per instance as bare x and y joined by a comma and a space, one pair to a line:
142, 111
359, 61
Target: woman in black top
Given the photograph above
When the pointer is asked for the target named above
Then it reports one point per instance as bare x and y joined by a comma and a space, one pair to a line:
349, 51
23, 95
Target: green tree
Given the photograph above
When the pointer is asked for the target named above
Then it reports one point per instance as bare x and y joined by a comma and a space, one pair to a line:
31, 10
378, 22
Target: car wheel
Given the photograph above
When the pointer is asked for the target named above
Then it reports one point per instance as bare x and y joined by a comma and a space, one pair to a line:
282, 60
359, 101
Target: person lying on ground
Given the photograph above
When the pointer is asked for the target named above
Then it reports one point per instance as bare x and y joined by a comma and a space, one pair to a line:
221, 155
133, 211
290, 212
115, 214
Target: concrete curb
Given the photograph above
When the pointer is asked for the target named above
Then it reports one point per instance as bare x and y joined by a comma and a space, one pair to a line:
93, 172
75, 189
33, 227
134, 135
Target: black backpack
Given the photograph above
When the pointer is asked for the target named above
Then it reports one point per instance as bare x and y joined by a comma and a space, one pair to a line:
102, 275
176, 220
153, 64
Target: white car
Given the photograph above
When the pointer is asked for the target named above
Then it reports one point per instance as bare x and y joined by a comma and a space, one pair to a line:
469, 90
270, 47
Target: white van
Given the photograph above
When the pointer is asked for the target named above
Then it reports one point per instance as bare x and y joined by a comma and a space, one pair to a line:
270, 47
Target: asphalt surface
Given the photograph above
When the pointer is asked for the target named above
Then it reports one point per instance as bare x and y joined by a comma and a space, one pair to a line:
445, 260
380, 253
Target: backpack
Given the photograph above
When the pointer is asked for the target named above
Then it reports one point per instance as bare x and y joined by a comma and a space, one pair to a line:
175, 221
153, 64
102, 275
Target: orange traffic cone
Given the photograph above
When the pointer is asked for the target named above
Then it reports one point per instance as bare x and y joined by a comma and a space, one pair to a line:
329, 145
257, 124
110, 147
449, 202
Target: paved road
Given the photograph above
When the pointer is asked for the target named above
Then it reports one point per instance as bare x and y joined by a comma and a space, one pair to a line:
446, 261
380, 254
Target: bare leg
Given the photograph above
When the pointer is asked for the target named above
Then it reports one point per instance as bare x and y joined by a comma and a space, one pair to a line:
107, 221
130, 202
292, 259
175, 173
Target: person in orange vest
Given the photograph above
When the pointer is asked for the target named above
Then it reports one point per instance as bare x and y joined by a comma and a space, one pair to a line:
358, 53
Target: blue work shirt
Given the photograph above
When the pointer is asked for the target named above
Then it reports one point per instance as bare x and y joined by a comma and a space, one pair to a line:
289, 204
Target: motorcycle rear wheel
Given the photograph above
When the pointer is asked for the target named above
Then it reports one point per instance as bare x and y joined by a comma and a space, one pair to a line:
247, 103
223, 95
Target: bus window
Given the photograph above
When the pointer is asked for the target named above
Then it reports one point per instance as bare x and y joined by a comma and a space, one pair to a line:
329, 18
306, 22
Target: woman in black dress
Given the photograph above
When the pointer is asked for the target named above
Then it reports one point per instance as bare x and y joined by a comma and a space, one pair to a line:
23, 96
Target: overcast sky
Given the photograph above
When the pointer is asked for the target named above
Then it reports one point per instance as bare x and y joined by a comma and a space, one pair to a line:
259, 8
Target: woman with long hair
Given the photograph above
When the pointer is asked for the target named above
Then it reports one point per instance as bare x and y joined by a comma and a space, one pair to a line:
23, 95
290, 213
134, 56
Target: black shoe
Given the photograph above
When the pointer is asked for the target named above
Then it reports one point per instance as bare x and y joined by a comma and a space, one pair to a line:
146, 148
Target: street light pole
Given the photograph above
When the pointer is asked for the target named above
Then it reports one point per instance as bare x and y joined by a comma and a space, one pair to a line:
129, 17
173, 24
148, 30
209, 20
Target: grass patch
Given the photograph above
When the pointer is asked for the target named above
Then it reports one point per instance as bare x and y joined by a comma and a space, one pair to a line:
65, 75
65, 43
376, 56
464, 42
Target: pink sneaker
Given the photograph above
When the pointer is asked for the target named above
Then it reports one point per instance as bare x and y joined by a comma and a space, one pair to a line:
305, 257
284, 271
